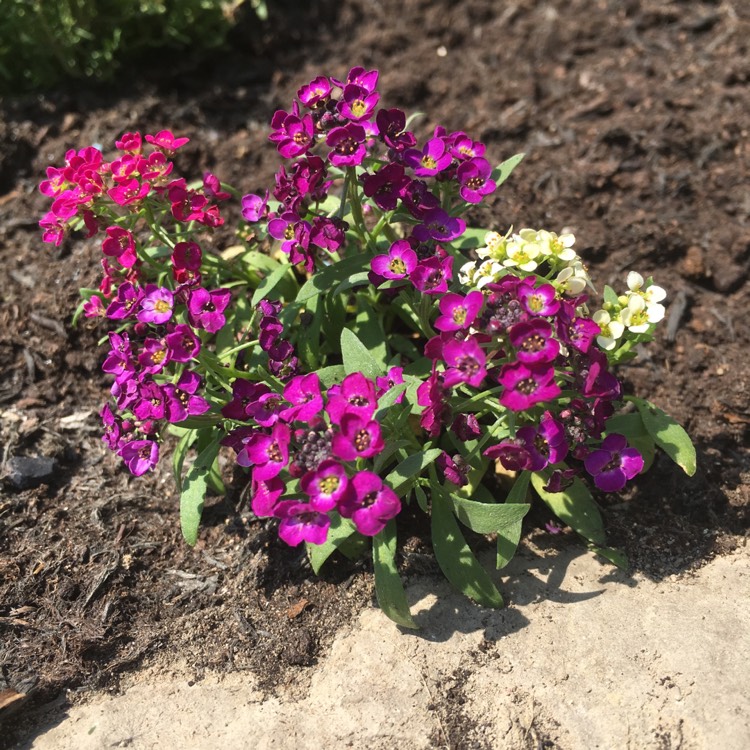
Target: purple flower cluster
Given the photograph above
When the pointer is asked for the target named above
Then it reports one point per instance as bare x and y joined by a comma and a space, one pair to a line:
312, 444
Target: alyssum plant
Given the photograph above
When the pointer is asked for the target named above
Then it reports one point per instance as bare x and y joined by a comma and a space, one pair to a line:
362, 349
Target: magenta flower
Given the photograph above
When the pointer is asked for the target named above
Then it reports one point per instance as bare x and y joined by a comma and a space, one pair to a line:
129, 142
466, 427
432, 159
328, 234
357, 438
432, 394
154, 356
265, 496
166, 140
156, 306
212, 188
357, 103
394, 377
180, 398
301, 523
418, 199
120, 244
125, 303
454, 468
539, 301
576, 332
439, 225
318, 90
613, 464
327, 486
293, 135
533, 447
187, 205
182, 343
431, 276
385, 186
466, 362
254, 207
267, 454
303, 393
400, 261
266, 410
355, 395
347, 145
150, 403
474, 179
533, 342
128, 192
140, 456
367, 79
463, 148
459, 312
244, 394
371, 505
512, 453
206, 309
525, 387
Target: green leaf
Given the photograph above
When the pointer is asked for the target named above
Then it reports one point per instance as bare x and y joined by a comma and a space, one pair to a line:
456, 560
668, 435
409, 469
194, 487
485, 518
574, 506
632, 427
330, 375
358, 279
501, 173
472, 238
610, 296
507, 544
357, 357
180, 452
324, 279
615, 556
388, 585
268, 284
340, 530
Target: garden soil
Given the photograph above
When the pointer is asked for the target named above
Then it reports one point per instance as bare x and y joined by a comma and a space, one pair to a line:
634, 116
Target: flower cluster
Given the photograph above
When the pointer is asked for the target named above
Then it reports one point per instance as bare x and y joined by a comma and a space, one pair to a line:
316, 445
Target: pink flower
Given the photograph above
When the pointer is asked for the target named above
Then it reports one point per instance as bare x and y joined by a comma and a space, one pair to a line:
206, 309
120, 243
466, 362
156, 306
525, 386
128, 192
400, 261
140, 456
166, 140
357, 438
327, 485
459, 312
301, 523
372, 504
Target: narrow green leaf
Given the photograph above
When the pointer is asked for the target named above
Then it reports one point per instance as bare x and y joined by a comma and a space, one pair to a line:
325, 279
368, 327
357, 279
388, 585
668, 435
340, 530
357, 357
615, 556
519, 489
180, 452
409, 469
456, 559
485, 518
268, 284
501, 173
574, 506
610, 296
507, 543
194, 491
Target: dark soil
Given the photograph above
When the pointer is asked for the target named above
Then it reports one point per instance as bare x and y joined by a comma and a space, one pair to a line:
634, 118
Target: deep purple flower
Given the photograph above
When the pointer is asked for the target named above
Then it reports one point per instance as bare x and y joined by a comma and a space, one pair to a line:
329, 234
303, 393
206, 309
267, 454
418, 199
266, 410
466, 362
151, 401
182, 343
431, 276
577, 332
372, 504
356, 395
391, 124
474, 178
560, 480
432, 159
459, 312
357, 103
125, 303
533, 342
385, 185
347, 145
112, 427
357, 438
439, 225
613, 464
254, 207
525, 386
512, 453
540, 300
156, 306
454, 468
466, 427
533, 448
327, 485
181, 400
245, 393
300, 522
140, 456
432, 394
400, 261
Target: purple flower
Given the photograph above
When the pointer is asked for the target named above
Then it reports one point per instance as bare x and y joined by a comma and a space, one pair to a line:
125, 303
314, 92
266, 494
347, 145
254, 207
385, 186
268, 454
140, 456
394, 377
358, 438
355, 395
432, 394
150, 403
512, 454
372, 504
439, 225
431, 276
576, 332
459, 312
400, 261
418, 199
455, 469
533, 448
327, 485
367, 79
466, 362
266, 410
474, 178
357, 103
303, 392
533, 342
525, 387
301, 523
205, 309
154, 356
463, 148
182, 343
539, 301
391, 124
432, 159
293, 135
181, 401
466, 427
613, 464
156, 306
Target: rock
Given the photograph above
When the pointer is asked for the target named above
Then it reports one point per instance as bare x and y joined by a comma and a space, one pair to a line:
24, 473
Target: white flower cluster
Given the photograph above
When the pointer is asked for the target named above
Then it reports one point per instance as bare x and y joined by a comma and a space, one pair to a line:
527, 251
636, 311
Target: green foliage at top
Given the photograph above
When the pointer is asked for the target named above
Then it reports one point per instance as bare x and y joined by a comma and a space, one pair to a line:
43, 42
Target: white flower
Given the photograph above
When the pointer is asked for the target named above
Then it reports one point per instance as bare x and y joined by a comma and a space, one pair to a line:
522, 254
467, 273
573, 279
611, 330
488, 272
638, 316
495, 247
558, 247
652, 294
